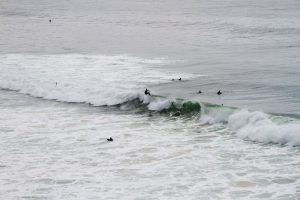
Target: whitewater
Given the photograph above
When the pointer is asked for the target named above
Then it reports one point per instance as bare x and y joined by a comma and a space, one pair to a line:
69, 84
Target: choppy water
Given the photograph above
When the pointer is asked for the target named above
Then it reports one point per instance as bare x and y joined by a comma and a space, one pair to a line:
68, 85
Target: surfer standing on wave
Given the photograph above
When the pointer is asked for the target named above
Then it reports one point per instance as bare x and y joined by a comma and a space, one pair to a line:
147, 92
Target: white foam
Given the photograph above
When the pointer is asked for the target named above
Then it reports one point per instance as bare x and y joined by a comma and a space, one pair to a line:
214, 115
159, 104
56, 151
258, 126
94, 79
255, 126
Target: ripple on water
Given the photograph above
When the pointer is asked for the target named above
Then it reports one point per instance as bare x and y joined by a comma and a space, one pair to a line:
65, 181
283, 180
242, 184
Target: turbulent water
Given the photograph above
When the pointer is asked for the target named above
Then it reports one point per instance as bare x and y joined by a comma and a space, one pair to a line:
69, 84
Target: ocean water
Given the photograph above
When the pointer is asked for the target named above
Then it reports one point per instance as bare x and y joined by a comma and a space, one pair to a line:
69, 84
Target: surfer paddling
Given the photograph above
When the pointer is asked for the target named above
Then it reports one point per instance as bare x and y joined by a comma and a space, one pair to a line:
147, 92
219, 92
110, 139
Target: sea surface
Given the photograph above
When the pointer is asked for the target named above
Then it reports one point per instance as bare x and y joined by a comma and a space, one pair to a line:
68, 84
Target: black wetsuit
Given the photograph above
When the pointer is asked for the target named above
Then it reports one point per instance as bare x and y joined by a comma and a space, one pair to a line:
147, 92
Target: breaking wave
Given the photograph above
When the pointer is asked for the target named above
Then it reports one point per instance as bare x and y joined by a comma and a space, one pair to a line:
120, 81
256, 126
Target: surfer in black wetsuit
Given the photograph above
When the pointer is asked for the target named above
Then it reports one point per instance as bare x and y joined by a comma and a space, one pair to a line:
179, 79
50, 20
199, 92
219, 92
110, 139
147, 92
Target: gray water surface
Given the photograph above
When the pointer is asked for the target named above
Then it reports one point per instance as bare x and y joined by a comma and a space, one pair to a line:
249, 49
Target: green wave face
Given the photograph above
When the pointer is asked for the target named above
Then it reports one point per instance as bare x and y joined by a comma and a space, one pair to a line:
183, 108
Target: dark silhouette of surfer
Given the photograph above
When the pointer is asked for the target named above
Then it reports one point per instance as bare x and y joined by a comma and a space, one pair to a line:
147, 92
110, 139
50, 20
179, 79
219, 92
199, 92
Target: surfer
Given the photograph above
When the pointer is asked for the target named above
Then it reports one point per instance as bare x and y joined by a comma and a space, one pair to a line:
50, 20
219, 92
199, 92
110, 139
147, 92
179, 79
